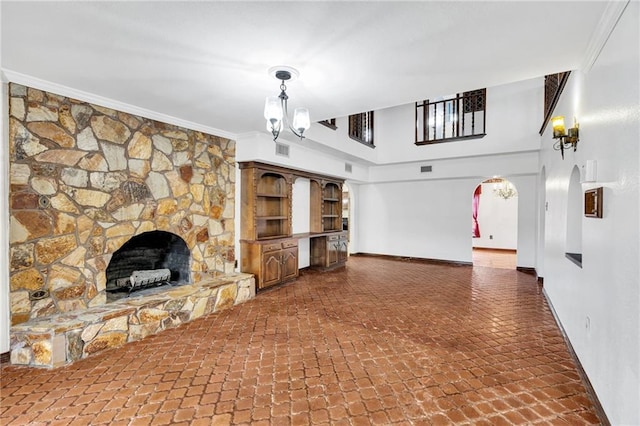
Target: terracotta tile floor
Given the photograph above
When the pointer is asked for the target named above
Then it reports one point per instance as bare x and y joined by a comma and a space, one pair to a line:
382, 342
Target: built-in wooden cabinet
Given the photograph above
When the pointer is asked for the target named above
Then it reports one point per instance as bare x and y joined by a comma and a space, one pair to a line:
269, 250
271, 262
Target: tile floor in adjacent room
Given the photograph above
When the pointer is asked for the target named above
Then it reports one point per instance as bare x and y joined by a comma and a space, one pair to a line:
494, 258
380, 342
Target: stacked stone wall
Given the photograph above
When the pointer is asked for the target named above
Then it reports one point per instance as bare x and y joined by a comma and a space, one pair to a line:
84, 179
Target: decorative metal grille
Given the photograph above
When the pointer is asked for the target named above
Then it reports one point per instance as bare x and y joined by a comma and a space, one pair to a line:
474, 100
361, 127
330, 123
553, 85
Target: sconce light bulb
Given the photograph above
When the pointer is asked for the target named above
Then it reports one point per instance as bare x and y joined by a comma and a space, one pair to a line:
558, 126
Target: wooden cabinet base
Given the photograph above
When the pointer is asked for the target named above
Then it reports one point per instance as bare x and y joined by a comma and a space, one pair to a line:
271, 262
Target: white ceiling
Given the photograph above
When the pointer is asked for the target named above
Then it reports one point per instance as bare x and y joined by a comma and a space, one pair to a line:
207, 62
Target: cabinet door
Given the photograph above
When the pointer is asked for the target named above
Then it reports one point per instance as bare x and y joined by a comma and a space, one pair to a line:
343, 249
333, 248
271, 269
289, 263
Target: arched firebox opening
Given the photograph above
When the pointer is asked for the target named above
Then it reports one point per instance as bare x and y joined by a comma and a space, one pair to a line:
148, 260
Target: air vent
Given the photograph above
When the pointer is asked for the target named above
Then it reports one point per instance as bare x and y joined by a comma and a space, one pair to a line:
282, 150
426, 169
348, 167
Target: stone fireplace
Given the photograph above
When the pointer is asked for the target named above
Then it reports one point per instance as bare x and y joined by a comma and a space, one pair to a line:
90, 185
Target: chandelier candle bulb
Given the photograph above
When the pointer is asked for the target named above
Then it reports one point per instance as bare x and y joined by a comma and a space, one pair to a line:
272, 109
301, 121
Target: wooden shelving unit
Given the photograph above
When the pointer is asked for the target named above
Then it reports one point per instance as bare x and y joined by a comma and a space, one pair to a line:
326, 205
268, 248
332, 207
266, 204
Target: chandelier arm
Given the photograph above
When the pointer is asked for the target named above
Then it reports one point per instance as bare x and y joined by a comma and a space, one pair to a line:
285, 118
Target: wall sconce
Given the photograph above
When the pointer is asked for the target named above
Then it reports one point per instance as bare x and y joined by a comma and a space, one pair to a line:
565, 140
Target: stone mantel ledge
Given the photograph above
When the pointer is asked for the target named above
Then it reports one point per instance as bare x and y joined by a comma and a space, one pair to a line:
61, 339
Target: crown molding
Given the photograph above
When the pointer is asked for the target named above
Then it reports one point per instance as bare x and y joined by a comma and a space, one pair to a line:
603, 30
37, 83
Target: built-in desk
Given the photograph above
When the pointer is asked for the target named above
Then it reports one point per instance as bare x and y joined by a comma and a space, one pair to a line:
328, 250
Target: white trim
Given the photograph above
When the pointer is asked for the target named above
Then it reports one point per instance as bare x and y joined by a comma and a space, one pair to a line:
605, 27
58, 89
5, 317
5, 303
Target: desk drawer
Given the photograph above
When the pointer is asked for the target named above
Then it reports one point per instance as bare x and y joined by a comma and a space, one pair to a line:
290, 243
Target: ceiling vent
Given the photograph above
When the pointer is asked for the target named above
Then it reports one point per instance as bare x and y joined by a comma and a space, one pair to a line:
426, 169
282, 150
348, 167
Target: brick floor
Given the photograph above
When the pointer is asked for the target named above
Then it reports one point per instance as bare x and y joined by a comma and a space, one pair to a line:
381, 342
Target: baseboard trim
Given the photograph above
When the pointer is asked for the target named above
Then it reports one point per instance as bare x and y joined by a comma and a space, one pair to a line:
415, 259
5, 357
527, 270
591, 393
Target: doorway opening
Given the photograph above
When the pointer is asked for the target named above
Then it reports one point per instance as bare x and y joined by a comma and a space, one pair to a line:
495, 224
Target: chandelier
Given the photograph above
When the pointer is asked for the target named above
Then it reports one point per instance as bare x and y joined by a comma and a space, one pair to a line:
504, 189
275, 107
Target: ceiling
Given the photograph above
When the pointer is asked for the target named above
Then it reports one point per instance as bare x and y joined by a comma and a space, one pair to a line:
207, 62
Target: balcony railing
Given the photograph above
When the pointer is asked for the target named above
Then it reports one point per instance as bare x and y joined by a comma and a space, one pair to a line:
462, 117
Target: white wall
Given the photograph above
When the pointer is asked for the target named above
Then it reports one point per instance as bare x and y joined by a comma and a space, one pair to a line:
513, 113
301, 215
599, 305
302, 156
527, 219
432, 218
426, 219
497, 220
513, 117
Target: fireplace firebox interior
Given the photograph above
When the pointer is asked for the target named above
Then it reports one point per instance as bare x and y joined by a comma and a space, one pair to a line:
149, 259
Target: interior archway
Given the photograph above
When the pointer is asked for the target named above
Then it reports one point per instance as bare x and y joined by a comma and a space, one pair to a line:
495, 224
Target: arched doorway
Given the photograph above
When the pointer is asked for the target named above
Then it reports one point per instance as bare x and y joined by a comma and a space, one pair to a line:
495, 224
